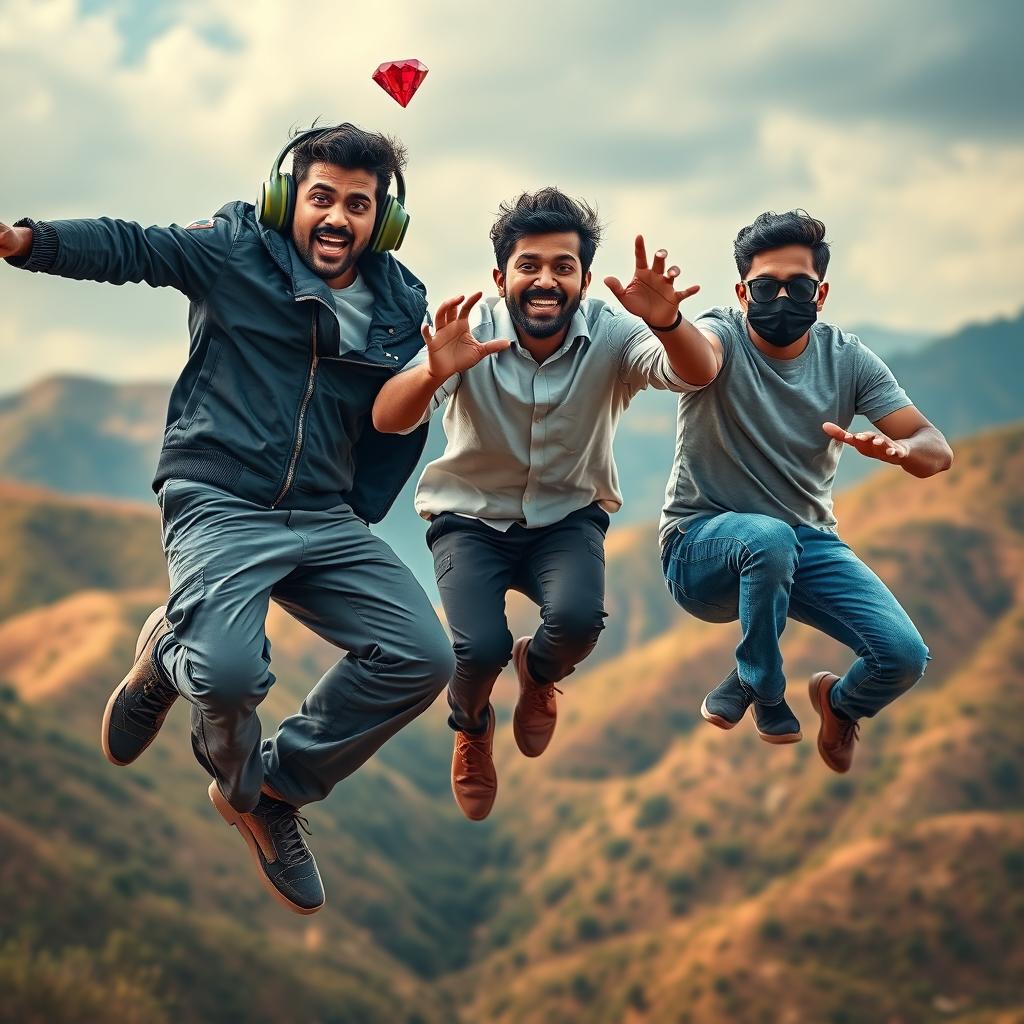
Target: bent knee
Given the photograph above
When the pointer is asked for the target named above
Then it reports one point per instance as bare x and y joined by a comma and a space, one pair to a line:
578, 626
229, 680
905, 662
485, 652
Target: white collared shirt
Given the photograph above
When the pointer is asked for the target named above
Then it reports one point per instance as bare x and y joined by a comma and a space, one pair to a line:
530, 442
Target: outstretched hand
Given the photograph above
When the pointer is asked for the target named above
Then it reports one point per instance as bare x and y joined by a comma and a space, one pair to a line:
14, 241
651, 295
452, 347
870, 443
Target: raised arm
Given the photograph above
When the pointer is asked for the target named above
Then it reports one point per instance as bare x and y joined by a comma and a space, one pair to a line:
695, 357
119, 252
404, 401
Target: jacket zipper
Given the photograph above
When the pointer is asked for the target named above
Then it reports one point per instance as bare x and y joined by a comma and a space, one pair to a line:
300, 432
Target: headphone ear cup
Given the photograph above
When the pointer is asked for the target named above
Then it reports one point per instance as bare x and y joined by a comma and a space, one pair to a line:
394, 222
276, 202
288, 187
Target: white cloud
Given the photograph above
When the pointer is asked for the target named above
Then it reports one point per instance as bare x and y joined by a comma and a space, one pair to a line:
659, 118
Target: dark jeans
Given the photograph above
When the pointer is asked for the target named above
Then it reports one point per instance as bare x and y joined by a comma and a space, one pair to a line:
762, 571
227, 558
560, 567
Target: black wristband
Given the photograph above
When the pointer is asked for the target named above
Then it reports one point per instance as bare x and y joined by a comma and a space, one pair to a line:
45, 245
671, 327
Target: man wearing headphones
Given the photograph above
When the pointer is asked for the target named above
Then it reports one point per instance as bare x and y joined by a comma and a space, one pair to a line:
269, 473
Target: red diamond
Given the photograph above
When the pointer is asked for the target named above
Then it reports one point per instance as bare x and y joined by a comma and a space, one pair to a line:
401, 78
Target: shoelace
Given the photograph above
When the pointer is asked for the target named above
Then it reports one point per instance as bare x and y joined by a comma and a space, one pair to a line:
538, 696
474, 752
851, 730
282, 821
157, 696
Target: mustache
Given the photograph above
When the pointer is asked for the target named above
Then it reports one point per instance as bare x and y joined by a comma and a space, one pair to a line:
537, 293
342, 233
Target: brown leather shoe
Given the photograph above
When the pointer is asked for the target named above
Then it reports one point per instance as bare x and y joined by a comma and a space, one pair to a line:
474, 780
140, 702
533, 722
836, 736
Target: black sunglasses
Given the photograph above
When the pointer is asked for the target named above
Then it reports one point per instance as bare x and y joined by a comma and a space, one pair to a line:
799, 289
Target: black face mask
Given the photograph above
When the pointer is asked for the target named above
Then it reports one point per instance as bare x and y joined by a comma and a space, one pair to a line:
781, 321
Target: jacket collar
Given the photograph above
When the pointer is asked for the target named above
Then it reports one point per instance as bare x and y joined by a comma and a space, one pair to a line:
401, 298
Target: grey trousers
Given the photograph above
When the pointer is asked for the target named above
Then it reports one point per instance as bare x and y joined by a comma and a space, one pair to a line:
226, 558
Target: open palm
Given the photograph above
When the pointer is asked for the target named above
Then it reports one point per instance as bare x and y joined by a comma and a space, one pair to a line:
651, 295
451, 347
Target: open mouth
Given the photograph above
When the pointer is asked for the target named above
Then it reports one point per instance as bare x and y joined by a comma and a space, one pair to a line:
543, 307
331, 246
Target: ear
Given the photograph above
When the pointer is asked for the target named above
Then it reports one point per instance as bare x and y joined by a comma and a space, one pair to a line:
499, 280
741, 295
822, 295
586, 285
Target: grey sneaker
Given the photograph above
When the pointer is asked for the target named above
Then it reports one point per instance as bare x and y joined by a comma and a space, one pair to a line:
776, 723
286, 867
140, 702
727, 703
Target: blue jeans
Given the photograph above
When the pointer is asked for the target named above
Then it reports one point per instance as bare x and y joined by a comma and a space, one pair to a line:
762, 571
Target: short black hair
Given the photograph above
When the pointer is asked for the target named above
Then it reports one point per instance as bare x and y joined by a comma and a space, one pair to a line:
774, 230
352, 147
544, 213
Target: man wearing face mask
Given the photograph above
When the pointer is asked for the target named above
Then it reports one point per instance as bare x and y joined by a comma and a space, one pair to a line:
748, 531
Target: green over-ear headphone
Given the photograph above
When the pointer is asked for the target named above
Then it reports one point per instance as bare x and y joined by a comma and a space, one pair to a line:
276, 202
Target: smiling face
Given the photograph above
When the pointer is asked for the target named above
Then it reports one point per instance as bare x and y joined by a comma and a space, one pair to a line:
543, 283
335, 208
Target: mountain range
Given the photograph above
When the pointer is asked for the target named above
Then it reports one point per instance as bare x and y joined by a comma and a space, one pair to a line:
647, 868
88, 436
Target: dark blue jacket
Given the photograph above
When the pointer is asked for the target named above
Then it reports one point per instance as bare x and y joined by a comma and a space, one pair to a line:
266, 407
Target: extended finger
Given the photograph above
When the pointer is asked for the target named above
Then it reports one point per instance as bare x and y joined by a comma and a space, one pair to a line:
614, 285
835, 431
687, 292
446, 312
427, 336
469, 304
498, 345
658, 266
641, 253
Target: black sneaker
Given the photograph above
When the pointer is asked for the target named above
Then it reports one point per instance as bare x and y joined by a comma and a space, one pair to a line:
776, 723
727, 703
286, 867
140, 702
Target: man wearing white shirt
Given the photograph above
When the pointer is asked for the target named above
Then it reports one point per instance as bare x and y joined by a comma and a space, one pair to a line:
520, 498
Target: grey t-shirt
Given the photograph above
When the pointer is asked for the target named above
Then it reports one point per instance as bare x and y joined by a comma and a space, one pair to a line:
354, 306
751, 441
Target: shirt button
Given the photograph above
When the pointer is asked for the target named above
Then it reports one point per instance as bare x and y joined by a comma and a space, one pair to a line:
391, 330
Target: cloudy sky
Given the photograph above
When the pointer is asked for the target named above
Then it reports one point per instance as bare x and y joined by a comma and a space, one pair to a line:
898, 124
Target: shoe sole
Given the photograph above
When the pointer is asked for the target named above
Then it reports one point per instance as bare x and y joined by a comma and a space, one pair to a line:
233, 818
715, 720
520, 737
814, 691
149, 627
782, 739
